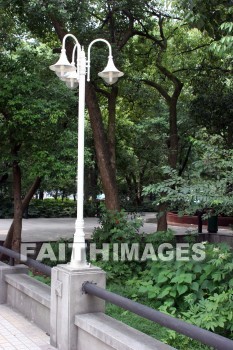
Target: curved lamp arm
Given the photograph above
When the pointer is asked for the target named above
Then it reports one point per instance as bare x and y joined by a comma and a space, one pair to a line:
89, 54
63, 65
76, 47
73, 37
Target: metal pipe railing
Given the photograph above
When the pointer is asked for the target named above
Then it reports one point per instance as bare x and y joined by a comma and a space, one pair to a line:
191, 331
26, 261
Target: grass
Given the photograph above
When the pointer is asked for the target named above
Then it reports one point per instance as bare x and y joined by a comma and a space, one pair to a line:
41, 278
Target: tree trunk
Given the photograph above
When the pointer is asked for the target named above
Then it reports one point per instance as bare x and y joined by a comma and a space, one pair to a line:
102, 150
112, 127
25, 203
41, 194
18, 208
172, 159
173, 135
162, 218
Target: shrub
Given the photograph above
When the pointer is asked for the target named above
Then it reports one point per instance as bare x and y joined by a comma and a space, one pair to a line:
6, 208
54, 246
115, 227
51, 208
119, 227
199, 291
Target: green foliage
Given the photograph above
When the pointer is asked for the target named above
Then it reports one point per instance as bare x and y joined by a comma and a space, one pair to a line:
152, 329
213, 313
212, 104
55, 248
116, 228
49, 208
198, 291
40, 278
6, 208
206, 182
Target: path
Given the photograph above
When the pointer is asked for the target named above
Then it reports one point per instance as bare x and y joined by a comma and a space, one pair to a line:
43, 229
16, 332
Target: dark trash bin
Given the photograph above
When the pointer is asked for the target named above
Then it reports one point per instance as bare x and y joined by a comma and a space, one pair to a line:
213, 224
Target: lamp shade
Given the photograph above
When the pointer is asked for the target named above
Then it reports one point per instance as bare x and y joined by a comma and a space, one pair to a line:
72, 84
110, 74
71, 79
63, 65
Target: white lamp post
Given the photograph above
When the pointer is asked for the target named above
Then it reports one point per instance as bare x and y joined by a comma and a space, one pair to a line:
73, 74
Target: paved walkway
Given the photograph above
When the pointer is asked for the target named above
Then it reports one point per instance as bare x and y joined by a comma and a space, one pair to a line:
43, 229
16, 332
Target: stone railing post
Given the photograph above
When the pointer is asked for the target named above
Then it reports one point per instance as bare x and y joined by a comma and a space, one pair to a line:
68, 300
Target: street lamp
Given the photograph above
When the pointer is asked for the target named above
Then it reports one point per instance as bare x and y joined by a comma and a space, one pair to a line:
73, 74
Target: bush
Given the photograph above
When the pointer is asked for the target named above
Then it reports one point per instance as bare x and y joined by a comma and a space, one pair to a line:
47, 208
116, 228
119, 227
6, 208
54, 246
51, 208
199, 291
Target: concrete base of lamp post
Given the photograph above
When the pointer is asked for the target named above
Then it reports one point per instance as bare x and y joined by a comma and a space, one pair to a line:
68, 300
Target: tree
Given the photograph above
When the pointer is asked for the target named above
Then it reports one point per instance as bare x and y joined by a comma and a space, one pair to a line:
26, 102
57, 18
141, 136
212, 105
168, 34
213, 17
162, 53
206, 184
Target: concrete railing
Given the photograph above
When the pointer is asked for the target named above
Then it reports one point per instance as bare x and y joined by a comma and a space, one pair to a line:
31, 298
101, 332
74, 320
25, 294
72, 311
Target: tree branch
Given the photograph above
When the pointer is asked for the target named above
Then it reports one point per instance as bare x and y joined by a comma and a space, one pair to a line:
101, 91
148, 36
157, 13
159, 88
161, 30
178, 84
129, 33
185, 161
195, 48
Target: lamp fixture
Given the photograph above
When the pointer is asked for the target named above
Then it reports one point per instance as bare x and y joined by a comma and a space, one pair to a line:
74, 74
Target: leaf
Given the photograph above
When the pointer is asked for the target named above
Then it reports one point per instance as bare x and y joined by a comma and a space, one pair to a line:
197, 268
182, 289
231, 283
173, 293
188, 278
165, 292
195, 286
161, 278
